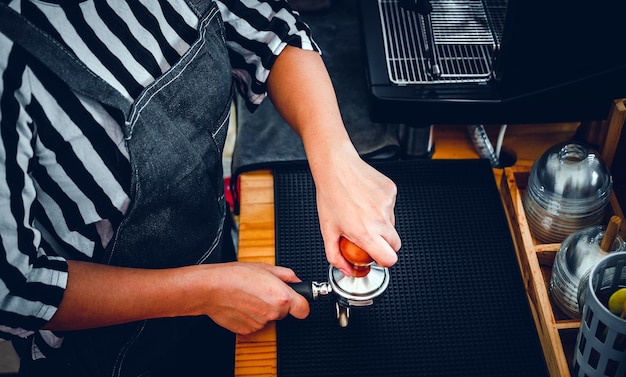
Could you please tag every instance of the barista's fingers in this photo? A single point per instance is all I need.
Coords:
(393, 240)
(299, 306)
(283, 273)
(295, 304)
(383, 249)
(335, 258)
(391, 213)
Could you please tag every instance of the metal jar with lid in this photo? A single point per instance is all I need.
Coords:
(569, 188)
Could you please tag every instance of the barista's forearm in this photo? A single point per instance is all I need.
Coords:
(354, 200)
(301, 90)
(99, 295)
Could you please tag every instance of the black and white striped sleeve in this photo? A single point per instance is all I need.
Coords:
(256, 32)
(31, 283)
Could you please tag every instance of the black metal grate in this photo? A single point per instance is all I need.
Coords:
(463, 39)
(455, 305)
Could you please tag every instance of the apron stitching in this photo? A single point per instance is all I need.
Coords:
(197, 46)
(193, 8)
(220, 199)
(199, 7)
(117, 370)
(213, 245)
(224, 122)
(137, 193)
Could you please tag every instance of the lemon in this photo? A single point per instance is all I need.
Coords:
(617, 301)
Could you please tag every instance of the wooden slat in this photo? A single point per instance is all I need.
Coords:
(256, 353)
(532, 275)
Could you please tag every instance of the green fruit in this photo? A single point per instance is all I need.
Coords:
(617, 301)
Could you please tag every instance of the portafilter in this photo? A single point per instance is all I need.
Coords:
(367, 283)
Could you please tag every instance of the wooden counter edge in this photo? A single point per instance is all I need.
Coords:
(255, 354)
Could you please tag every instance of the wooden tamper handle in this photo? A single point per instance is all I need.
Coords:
(358, 258)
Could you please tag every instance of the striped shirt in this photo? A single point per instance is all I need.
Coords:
(64, 171)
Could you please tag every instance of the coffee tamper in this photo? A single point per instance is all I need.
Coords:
(368, 281)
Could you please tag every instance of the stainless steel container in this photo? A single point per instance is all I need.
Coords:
(569, 188)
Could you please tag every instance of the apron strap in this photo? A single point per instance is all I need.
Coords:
(200, 7)
(59, 60)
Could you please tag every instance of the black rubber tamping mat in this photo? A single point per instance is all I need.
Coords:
(455, 305)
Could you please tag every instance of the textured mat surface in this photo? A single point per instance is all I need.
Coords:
(455, 305)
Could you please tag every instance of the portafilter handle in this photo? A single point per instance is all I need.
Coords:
(311, 290)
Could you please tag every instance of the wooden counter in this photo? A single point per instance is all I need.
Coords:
(256, 354)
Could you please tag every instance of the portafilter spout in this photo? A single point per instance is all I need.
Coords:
(367, 282)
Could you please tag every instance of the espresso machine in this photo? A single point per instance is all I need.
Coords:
(368, 282)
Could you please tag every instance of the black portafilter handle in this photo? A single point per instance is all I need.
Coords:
(311, 290)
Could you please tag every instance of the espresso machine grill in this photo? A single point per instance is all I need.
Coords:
(464, 41)
(498, 61)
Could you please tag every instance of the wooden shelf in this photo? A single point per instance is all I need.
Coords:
(536, 262)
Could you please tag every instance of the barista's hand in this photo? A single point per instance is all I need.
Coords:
(241, 297)
(357, 202)
(244, 297)
(354, 200)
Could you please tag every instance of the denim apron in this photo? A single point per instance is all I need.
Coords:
(175, 132)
